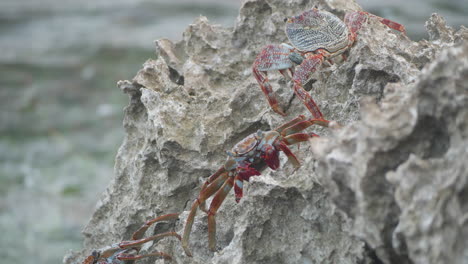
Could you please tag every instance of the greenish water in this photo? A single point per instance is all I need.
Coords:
(61, 127)
(61, 113)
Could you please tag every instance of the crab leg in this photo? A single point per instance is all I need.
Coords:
(354, 20)
(141, 231)
(212, 178)
(125, 256)
(262, 79)
(135, 243)
(389, 23)
(291, 157)
(301, 76)
(303, 125)
(207, 193)
(290, 123)
(238, 187)
(272, 57)
(215, 204)
(243, 173)
(298, 137)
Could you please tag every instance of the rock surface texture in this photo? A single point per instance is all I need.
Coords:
(390, 186)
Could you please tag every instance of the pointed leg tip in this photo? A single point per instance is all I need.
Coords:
(334, 125)
(187, 252)
(279, 111)
(213, 249)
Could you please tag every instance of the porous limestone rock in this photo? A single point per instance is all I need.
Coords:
(390, 186)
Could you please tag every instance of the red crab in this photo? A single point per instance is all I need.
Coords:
(246, 159)
(315, 36)
(129, 250)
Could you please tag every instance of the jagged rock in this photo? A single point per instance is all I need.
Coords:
(390, 186)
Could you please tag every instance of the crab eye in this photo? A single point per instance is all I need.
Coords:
(285, 19)
(259, 133)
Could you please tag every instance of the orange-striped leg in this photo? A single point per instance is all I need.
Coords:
(141, 231)
(203, 196)
(215, 204)
(238, 187)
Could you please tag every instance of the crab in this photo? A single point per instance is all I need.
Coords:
(316, 36)
(118, 253)
(246, 159)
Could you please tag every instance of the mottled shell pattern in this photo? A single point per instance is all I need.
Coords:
(316, 29)
(250, 148)
(244, 146)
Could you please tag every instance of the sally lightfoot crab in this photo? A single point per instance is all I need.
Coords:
(315, 36)
(129, 250)
(246, 159)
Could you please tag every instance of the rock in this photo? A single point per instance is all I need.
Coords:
(390, 186)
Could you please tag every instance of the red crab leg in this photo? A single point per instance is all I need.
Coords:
(285, 73)
(124, 256)
(91, 258)
(389, 23)
(354, 20)
(207, 193)
(262, 80)
(140, 232)
(272, 57)
(298, 137)
(215, 204)
(135, 243)
(302, 75)
(303, 125)
(238, 187)
(393, 25)
(212, 178)
(290, 123)
(244, 173)
(291, 157)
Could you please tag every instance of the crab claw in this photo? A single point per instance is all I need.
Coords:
(243, 174)
(246, 172)
(238, 187)
(271, 157)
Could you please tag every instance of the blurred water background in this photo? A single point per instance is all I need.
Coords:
(61, 113)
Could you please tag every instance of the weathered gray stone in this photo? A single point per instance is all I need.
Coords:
(390, 186)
